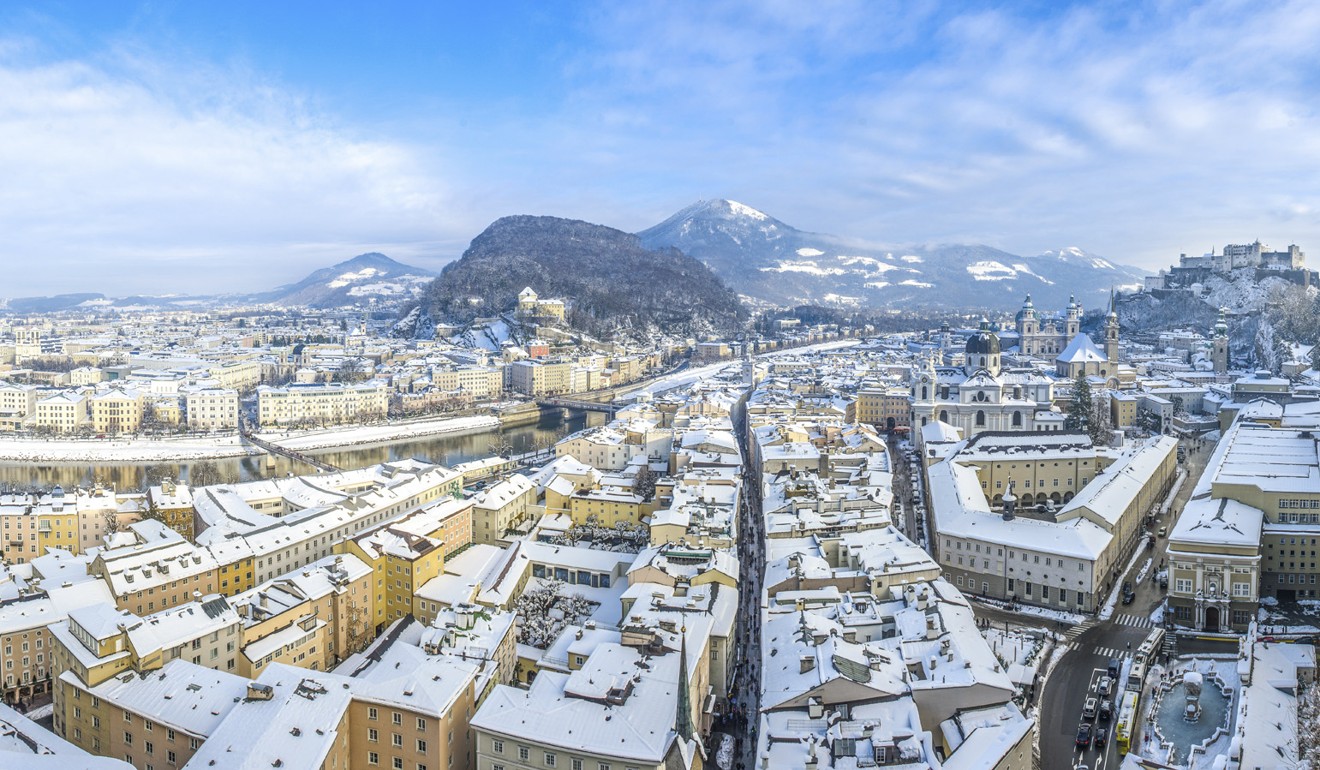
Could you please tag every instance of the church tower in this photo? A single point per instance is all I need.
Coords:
(1073, 323)
(923, 392)
(1111, 331)
(1028, 326)
(1219, 352)
(982, 351)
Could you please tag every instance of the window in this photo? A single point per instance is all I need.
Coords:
(398, 763)
(373, 758)
(523, 753)
(128, 739)
(170, 756)
(398, 718)
(397, 740)
(371, 713)
(373, 735)
(150, 749)
(421, 723)
(421, 746)
(549, 759)
(497, 746)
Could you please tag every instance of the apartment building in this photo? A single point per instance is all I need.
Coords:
(63, 412)
(503, 506)
(116, 411)
(311, 618)
(211, 408)
(541, 378)
(150, 567)
(310, 404)
(406, 552)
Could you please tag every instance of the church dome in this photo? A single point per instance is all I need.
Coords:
(984, 342)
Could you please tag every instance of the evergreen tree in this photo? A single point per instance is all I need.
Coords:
(1079, 412)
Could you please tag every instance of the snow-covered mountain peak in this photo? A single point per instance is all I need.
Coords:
(743, 210)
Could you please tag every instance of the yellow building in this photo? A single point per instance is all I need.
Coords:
(116, 411)
(405, 552)
(310, 618)
(608, 507)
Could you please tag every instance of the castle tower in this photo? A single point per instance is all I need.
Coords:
(1111, 331)
(1219, 352)
(1073, 324)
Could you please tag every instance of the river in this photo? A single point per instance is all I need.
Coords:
(443, 449)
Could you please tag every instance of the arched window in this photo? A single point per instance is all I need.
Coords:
(980, 418)
(1017, 419)
(923, 392)
(944, 415)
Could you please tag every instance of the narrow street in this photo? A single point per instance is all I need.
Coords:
(751, 555)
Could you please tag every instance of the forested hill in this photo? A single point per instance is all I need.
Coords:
(612, 284)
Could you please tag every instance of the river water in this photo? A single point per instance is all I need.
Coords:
(445, 449)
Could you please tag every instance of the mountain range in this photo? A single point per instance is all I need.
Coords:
(762, 257)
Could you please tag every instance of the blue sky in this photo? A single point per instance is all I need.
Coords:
(200, 147)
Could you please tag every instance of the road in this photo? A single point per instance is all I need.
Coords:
(751, 555)
(1091, 644)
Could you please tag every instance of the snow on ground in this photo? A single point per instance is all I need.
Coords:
(806, 266)
(1108, 611)
(144, 449)
(990, 270)
(918, 284)
(121, 450)
(372, 434)
(911, 258)
(1145, 570)
(808, 252)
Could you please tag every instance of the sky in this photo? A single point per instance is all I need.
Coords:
(181, 147)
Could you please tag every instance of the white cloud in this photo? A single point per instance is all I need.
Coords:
(136, 176)
(1137, 132)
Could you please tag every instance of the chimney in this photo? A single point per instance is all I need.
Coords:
(806, 663)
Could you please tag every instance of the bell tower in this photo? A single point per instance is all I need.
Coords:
(1219, 343)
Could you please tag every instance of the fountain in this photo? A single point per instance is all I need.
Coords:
(1192, 687)
(1189, 709)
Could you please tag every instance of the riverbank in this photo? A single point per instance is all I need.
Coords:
(136, 450)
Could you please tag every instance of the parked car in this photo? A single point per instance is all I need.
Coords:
(1089, 708)
(1101, 738)
(1128, 598)
(1104, 686)
(1106, 710)
(1084, 735)
(1164, 531)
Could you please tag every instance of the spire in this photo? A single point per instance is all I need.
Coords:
(1113, 308)
(683, 719)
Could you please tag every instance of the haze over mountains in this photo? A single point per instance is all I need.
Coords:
(756, 255)
(761, 257)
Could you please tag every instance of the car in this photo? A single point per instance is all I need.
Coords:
(1115, 665)
(1164, 531)
(1104, 686)
(1089, 708)
(1128, 598)
(1101, 737)
(1106, 710)
(1164, 584)
(1127, 586)
(1084, 735)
